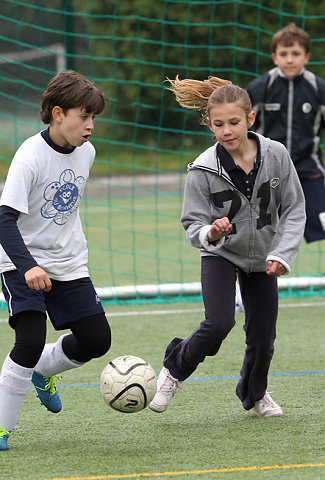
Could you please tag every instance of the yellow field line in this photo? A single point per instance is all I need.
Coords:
(192, 472)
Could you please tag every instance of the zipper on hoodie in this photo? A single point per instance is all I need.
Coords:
(289, 114)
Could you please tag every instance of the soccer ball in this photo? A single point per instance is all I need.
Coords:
(128, 384)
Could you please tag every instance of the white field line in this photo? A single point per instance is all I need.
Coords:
(187, 310)
(197, 310)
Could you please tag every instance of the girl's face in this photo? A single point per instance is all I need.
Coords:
(71, 129)
(229, 123)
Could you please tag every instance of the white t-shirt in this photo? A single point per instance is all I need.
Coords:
(46, 187)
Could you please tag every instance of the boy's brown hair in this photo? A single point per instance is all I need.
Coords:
(290, 34)
(69, 89)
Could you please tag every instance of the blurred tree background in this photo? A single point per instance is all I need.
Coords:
(129, 48)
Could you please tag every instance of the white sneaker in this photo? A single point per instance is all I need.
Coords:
(166, 389)
(266, 407)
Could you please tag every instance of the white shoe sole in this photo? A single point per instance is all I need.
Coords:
(269, 414)
(157, 408)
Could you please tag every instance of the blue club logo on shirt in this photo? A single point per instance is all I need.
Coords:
(62, 197)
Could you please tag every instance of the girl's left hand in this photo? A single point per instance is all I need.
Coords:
(275, 268)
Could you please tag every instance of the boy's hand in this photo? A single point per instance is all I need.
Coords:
(220, 228)
(275, 268)
(37, 279)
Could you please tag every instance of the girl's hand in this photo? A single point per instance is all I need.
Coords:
(37, 279)
(275, 268)
(220, 228)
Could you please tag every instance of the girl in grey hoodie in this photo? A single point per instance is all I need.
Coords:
(233, 194)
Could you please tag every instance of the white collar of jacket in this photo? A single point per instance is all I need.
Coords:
(210, 162)
(281, 74)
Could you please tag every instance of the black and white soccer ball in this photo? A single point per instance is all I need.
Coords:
(128, 384)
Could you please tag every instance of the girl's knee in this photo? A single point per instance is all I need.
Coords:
(218, 330)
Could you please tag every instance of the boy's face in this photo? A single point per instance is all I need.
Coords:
(71, 129)
(290, 60)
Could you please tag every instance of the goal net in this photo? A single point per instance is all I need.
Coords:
(133, 202)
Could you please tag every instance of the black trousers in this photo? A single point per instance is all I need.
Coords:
(260, 299)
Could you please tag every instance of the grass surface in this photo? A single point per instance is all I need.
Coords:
(205, 433)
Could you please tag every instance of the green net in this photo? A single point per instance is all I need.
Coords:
(143, 140)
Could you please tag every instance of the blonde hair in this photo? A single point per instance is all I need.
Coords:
(205, 94)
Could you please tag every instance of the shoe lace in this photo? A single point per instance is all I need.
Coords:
(3, 432)
(268, 401)
(170, 384)
(50, 385)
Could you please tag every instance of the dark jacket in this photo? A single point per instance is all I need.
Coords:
(292, 111)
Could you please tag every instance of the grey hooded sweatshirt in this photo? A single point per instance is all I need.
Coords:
(258, 234)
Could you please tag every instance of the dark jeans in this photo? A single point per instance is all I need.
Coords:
(260, 298)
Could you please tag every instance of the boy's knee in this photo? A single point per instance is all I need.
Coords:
(98, 345)
(27, 353)
(90, 339)
(102, 346)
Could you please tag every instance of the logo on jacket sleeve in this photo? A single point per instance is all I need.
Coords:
(62, 197)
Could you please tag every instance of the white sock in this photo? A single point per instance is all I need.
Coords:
(14, 385)
(54, 361)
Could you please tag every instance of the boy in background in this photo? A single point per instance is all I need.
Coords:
(289, 103)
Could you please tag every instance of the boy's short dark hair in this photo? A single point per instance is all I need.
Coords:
(290, 34)
(69, 89)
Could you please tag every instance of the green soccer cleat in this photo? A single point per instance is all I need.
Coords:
(46, 392)
(4, 435)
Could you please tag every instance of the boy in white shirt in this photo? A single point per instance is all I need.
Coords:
(43, 253)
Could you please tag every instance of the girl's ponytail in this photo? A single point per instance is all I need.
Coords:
(194, 94)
